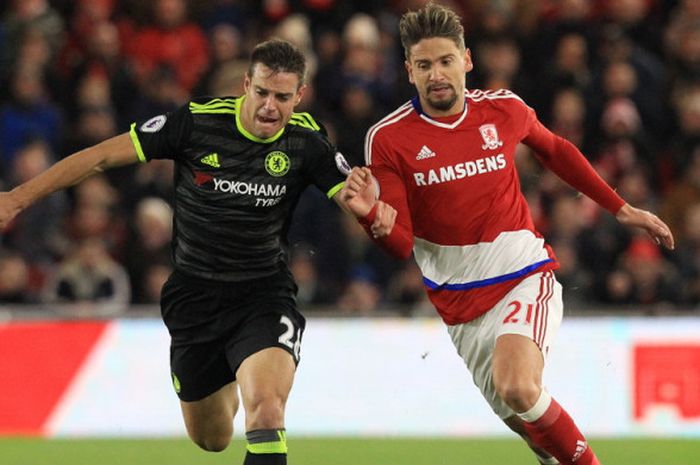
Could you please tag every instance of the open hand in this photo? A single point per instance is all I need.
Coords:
(655, 228)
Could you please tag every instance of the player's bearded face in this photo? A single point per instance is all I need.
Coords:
(437, 67)
(270, 99)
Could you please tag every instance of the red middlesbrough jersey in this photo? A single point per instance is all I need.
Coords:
(457, 192)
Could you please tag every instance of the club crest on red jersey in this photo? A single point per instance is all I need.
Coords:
(490, 136)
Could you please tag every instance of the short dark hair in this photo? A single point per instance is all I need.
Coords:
(280, 56)
(430, 21)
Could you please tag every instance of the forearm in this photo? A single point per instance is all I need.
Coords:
(398, 243)
(74, 168)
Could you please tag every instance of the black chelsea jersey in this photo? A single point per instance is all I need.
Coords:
(235, 193)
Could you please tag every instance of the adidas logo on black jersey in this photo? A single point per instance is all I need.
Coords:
(212, 160)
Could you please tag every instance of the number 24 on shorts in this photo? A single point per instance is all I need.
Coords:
(513, 317)
(288, 335)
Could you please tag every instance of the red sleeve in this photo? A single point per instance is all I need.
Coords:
(566, 161)
(393, 192)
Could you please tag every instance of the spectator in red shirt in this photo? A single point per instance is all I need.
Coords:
(172, 41)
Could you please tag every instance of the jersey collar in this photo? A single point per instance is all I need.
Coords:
(244, 131)
(415, 101)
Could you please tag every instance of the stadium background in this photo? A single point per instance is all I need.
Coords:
(82, 353)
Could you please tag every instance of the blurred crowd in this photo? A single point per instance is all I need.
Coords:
(618, 78)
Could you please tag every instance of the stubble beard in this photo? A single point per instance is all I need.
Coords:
(443, 105)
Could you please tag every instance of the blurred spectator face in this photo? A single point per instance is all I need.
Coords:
(156, 276)
(692, 224)
(92, 252)
(566, 221)
(621, 119)
(634, 187)
(568, 108)
(95, 124)
(28, 9)
(96, 190)
(105, 41)
(170, 13)
(14, 275)
(619, 79)
(357, 103)
(627, 11)
(154, 219)
(572, 53)
(501, 59)
(328, 46)
(30, 161)
(576, 10)
(689, 112)
(643, 262)
(225, 43)
(689, 44)
(91, 220)
(34, 49)
(94, 91)
(27, 85)
(361, 39)
(95, 10)
(297, 30)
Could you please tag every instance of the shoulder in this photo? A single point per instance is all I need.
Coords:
(312, 131)
(496, 98)
(213, 105)
(501, 100)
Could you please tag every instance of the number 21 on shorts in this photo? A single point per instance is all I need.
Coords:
(289, 334)
(516, 314)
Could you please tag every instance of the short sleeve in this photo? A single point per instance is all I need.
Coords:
(328, 167)
(162, 136)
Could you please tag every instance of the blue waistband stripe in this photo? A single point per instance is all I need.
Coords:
(485, 282)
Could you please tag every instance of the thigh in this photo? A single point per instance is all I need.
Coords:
(265, 379)
(211, 418)
(532, 309)
(198, 362)
(270, 320)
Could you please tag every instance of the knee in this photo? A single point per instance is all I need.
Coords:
(266, 412)
(211, 442)
(519, 394)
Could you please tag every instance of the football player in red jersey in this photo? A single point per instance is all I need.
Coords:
(445, 173)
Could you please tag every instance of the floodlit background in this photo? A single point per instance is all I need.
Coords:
(82, 351)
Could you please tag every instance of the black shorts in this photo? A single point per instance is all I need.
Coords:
(214, 326)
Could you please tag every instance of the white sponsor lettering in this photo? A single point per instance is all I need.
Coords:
(245, 188)
(461, 170)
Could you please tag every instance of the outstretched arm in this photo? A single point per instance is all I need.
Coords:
(567, 162)
(116, 151)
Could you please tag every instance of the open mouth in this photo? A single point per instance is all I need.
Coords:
(267, 119)
(440, 89)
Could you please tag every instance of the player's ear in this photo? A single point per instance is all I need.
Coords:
(468, 63)
(300, 94)
(246, 83)
(409, 70)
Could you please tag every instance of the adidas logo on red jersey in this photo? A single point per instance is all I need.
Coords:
(424, 153)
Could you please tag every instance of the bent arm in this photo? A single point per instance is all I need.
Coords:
(113, 152)
(399, 241)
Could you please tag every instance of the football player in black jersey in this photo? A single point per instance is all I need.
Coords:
(241, 164)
